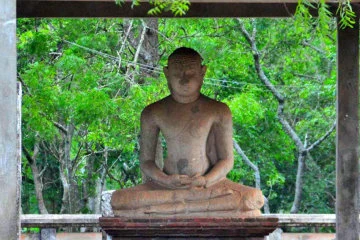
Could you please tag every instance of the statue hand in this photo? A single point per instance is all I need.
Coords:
(177, 181)
(198, 181)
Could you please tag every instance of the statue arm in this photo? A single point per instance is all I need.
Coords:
(148, 140)
(224, 147)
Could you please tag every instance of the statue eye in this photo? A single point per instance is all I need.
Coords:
(177, 75)
(190, 73)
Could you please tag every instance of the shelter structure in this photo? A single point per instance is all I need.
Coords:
(347, 137)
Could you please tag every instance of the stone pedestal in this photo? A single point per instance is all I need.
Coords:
(189, 228)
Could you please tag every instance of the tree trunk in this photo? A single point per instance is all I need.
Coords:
(66, 190)
(38, 189)
(97, 182)
(36, 176)
(102, 182)
(66, 173)
(149, 56)
(299, 183)
(148, 45)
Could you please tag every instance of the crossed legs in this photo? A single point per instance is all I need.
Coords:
(150, 198)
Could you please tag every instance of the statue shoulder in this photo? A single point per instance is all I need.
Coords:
(224, 108)
(224, 114)
(154, 109)
(219, 108)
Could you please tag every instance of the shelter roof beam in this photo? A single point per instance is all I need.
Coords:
(199, 8)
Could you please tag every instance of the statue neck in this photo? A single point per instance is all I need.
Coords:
(185, 99)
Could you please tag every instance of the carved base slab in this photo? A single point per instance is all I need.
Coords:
(215, 214)
(189, 228)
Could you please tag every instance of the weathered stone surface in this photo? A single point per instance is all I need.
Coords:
(106, 209)
(275, 235)
(347, 134)
(48, 233)
(198, 134)
(10, 174)
(195, 228)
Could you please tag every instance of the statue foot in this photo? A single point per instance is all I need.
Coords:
(222, 192)
(252, 200)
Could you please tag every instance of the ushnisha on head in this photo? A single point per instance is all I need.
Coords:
(185, 74)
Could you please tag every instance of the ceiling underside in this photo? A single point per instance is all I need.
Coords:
(198, 8)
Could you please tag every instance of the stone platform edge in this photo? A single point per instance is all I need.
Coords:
(188, 227)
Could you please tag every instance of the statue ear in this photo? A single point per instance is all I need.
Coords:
(166, 71)
(203, 70)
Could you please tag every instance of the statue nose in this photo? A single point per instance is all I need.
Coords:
(184, 79)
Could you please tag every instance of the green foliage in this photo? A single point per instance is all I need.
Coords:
(347, 16)
(30, 230)
(177, 7)
(134, 2)
(72, 76)
(246, 107)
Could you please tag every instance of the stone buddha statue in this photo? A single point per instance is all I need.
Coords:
(198, 134)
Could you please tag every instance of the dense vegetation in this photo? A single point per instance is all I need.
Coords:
(85, 83)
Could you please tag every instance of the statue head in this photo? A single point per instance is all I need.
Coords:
(185, 74)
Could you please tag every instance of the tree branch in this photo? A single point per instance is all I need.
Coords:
(60, 127)
(301, 147)
(136, 56)
(288, 129)
(88, 153)
(256, 172)
(307, 44)
(27, 154)
(259, 70)
(23, 84)
(320, 140)
(31, 159)
(113, 178)
(124, 42)
(76, 161)
(247, 161)
(43, 170)
(270, 86)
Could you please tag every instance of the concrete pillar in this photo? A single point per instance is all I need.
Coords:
(48, 234)
(9, 127)
(347, 138)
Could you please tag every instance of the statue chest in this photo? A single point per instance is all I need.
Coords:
(186, 125)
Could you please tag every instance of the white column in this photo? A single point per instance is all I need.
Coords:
(9, 132)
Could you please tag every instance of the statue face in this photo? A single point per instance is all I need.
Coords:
(185, 75)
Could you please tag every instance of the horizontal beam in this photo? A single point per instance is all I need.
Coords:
(60, 220)
(92, 220)
(193, 1)
(101, 8)
(98, 235)
(301, 220)
(198, 8)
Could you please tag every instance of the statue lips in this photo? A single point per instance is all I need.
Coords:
(185, 88)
